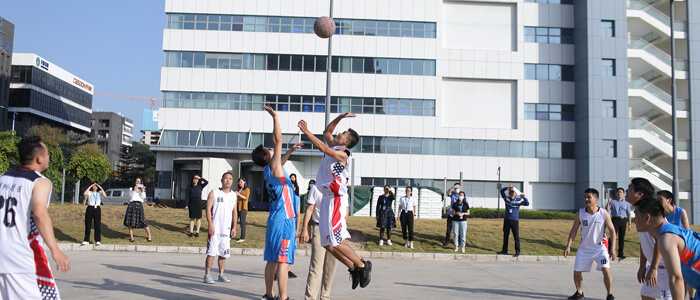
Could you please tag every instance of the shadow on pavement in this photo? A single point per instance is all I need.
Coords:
(64, 237)
(500, 292)
(229, 270)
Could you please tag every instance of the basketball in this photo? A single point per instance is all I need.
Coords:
(324, 27)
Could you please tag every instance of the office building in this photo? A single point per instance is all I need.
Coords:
(110, 131)
(7, 35)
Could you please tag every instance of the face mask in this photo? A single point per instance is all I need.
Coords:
(311, 185)
(457, 191)
(461, 197)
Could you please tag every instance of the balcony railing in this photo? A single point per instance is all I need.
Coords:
(639, 83)
(642, 164)
(650, 10)
(640, 44)
(647, 126)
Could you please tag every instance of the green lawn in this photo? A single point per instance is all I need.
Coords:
(169, 227)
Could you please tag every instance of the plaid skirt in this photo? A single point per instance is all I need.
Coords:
(135, 216)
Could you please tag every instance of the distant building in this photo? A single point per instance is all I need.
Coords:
(7, 33)
(150, 137)
(110, 131)
(151, 134)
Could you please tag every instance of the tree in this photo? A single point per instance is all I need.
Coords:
(89, 164)
(8, 151)
(48, 134)
(136, 161)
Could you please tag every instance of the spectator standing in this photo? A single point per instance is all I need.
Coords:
(409, 208)
(621, 218)
(514, 200)
(453, 193)
(93, 212)
(243, 195)
(385, 215)
(193, 201)
(135, 216)
(460, 211)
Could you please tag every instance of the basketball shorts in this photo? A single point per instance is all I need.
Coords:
(280, 241)
(219, 244)
(586, 257)
(19, 286)
(331, 222)
(661, 290)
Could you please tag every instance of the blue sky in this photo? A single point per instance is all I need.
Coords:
(115, 45)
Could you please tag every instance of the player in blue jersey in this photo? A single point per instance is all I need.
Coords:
(280, 236)
(675, 215)
(679, 247)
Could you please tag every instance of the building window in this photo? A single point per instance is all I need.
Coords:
(103, 134)
(104, 123)
(553, 112)
(610, 148)
(549, 72)
(549, 35)
(609, 109)
(607, 28)
(551, 1)
(608, 67)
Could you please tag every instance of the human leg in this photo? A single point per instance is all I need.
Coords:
(381, 234)
(199, 224)
(270, 269)
(404, 227)
(462, 233)
(242, 217)
(345, 255)
(388, 234)
(222, 265)
(208, 262)
(329, 266)
(409, 222)
(516, 236)
(191, 227)
(98, 224)
(148, 231)
(19, 286)
(578, 281)
(622, 230)
(282, 279)
(448, 231)
(316, 264)
(88, 223)
(131, 233)
(608, 280)
(455, 228)
(506, 235)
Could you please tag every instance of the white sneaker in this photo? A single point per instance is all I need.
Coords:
(388, 242)
(462, 249)
(456, 248)
(411, 245)
(85, 243)
(381, 242)
(405, 244)
(98, 243)
(240, 241)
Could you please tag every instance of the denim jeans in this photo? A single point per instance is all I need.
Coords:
(460, 232)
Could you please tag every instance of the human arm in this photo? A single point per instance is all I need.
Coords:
(642, 266)
(304, 237)
(243, 194)
(629, 216)
(650, 277)
(39, 201)
(684, 220)
(339, 155)
(187, 197)
(203, 182)
(328, 132)
(505, 197)
(289, 152)
(613, 236)
(102, 191)
(276, 161)
(572, 235)
(87, 191)
(607, 205)
(415, 208)
(234, 221)
(210, 203)
(668, 247)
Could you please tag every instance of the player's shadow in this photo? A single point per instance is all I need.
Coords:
(146, 290)
(61, 236)
(551, 244)
(214, 267)
(500, 292)
(166, 227)
(113, 234)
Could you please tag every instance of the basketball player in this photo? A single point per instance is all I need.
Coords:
(222, 216)
(24, 199)
(332, 181)
(594, 244)
(679, 247)
(280, 236)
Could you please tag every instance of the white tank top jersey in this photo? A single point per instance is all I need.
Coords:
(222, 211)
(647, 242)
(17, 221)
(332, 170)
(592, 228)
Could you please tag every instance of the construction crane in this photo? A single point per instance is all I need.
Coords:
(152, 99)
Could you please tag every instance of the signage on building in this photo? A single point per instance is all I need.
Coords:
(156, 115)
(40, 63)
(82, 84)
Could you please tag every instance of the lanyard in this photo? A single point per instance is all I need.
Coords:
(384, 203)
(96, 199)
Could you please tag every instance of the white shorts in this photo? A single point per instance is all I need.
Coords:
(219, 244)
(586, 257)
(19, 286)
(661, 290)
(331, 222)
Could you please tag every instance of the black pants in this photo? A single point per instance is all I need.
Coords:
(241, 216)
(93, 214)
(620, 225)
(449, 230)
(407, 224)
(388, 233)
(508, 226)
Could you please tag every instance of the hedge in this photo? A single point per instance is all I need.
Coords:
(489, 213)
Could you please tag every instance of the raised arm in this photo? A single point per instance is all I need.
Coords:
(328, 133)
(87, 191)
(286, 156)
(102, 191)
(607, 205)
(572, 235)
(40, 197)
(339, 155)
(203, 182)
(276, 162)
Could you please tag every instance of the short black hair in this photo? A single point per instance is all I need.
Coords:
(643, 185)
(410, 188)
(668, 195)
(650, 206)
(229, 173)
(258, 155)
(620, 189)
(456, 184)
(353, 138)
(28, 148)
(591, 191)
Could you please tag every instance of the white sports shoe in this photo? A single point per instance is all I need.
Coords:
(388, 242)
(85, 243)
(462, 249)
(381, 242)
(456, 248)
(98, 243)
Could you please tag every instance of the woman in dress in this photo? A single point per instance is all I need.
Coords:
(385, 215)
(243, 194)
(409, 208)
(460, 211)
(135, 216)
(194, 203)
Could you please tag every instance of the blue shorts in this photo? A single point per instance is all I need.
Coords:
(280, 241)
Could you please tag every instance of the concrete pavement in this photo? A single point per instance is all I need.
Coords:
(148, 275)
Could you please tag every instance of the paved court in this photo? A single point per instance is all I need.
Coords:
(139, 275)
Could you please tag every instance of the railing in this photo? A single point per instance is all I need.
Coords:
(652, 154)
(647, 126)
(639, 83)
(650, 37)
(642, 164)
(651, 75)
(650, 10)
(651, 114)
(640, 44)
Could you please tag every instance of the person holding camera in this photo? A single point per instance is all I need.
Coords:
(453, 192)
(93, 212)
(135, 216)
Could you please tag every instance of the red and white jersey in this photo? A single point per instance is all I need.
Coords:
(592, 229)
(333, 176)
(17, 226)
(222, 211)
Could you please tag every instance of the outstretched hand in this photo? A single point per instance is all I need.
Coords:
(303, 126)
(298, 146)
(347, 115)
(269, 110)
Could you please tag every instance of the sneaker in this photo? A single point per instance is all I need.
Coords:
(365, 274)
(240, 241)
(388, 242)
(196, 234)
(405, 244)
(516, 254)
(462, 249)
(456, 248)
(266, 297)
(411, 246)
(190, 234)
(291, 274)
(621, 256)
(208, 279)
(502, 252)
(444, 244)
(98, 243)
(381, 242)
(610, 297)
(223, 278)
(355, 277)
(577, 296)
(85, 243)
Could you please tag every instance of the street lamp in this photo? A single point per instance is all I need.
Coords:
(14, 115)
(328, 72)
(674, 118)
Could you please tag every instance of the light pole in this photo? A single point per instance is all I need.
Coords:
(674, 118)
(328, 71)
(14, 115)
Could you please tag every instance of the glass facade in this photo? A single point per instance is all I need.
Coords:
(46, 81)
(552, 112)
(547, 35)
(49, 105)
(549, 72)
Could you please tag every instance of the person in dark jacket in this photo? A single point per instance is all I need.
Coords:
(193, 202)
(385, 215)
(514, 200)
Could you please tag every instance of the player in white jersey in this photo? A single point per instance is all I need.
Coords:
(332, 180)
(24, 199)
(221, 215)
(593, 221)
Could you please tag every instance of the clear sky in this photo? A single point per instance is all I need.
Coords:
(115, 45)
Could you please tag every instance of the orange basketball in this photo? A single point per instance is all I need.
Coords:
(324, 27)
